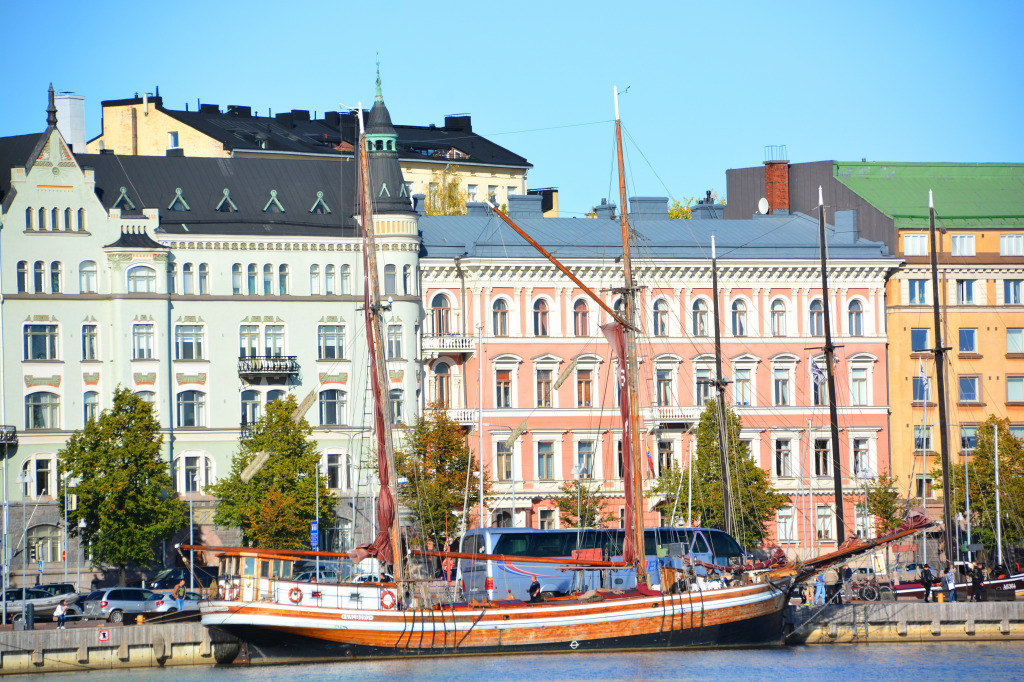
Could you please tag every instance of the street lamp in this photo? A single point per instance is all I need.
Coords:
(64, 556)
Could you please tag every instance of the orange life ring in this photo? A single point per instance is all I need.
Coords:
(387, 599)
(295, 595)
(234, 592)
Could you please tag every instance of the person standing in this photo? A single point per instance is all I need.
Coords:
(847, 582)
(179, 595)
(926, 582)
(62, 613)
(976, 578)
(534, 590)
(819, 589)
(833, 592)
(950, 579)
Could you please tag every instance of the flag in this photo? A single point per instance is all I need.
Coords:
(650, 460)
(817, 373)
(921, 374)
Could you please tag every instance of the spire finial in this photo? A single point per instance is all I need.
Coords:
(51, 109)
(380, 97)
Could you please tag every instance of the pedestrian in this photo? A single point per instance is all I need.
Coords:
(847, 581)
(926, 582)
(61, 612)
(819, 589)
(976, 577)
(833, 592)
(951, 583)
(534, 590)
(179, 594)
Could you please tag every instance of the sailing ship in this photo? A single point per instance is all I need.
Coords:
(283, 620)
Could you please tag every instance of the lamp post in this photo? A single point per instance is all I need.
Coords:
(23, 479)
(192, 478)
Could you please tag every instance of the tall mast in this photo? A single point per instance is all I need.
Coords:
(830, 352)
(940, 386)
(629, 297)
(999, 519)
(723, 430)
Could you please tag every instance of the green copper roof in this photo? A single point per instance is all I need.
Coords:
(966, 194)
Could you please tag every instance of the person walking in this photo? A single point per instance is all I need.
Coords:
(61, 612)
(819, 589)
(976, 578)
(926, 582)
(950, 580)
(179, 595)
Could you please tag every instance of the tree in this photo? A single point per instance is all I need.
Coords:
(275, 507)
(124, 489)
(582, 502)
(885, 503)
(754, 499)
(981, 479)
(434, 460)
(678, 210)
(445, 195)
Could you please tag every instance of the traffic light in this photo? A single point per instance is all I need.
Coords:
(32, 553)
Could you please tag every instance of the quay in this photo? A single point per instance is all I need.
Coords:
(909, 621)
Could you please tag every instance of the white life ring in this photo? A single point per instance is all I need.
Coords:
(387, 599)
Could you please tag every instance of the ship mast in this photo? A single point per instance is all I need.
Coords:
(723, 429)
(635, 494)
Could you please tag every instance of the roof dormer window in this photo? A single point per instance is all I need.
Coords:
(226, 205)
(178, 203)
(320, 207)
(273, 205)
(122, 198)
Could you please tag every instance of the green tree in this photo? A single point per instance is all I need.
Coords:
(754, 499)
(434, 459)
(981, 479)
(124, 489)
(274, 508)
(677, 210)
(582, 501)
(885, 503)
(445, 195)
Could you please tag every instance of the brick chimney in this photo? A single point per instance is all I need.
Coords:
(776, 185)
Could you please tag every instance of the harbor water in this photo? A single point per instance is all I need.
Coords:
(905, 662)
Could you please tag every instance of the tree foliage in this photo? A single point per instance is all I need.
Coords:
(885, 503)
(445, 194)
(678, 210)
(124, 488)
(275, 507)
(434, 459)
(981, 479)
(582, 502)
(754, 499)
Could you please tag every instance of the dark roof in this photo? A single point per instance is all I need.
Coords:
(14, 151)
(252, 184)
(135, 239)
(335, 133)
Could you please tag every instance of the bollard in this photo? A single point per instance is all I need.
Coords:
(30, 616)
(140, 619)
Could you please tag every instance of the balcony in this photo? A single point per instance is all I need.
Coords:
(8, 435)
(276, 368)
(667, 416)
(448, 344)
(246, 431)
(463, 416)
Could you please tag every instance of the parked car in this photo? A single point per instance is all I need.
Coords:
(112, 604)
(168, 578)
(166, 603)
(43, 601)
(314, 577)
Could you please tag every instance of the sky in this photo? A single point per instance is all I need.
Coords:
(707, 85)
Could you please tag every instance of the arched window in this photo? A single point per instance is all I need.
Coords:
(856, 318)
(193, 471)
(390, 279)
(346, 280)
(817, 318)
(81, 220)
(314, 280)
(204, 279)
(442, 385)
(739, 318)
(440, 315)
(407, 280)
(329, 280)
(42, 218)
(55, 277)
(282, 279)
(147, 397)
(540, 318)
(252, 279)
(141, 280)
(236, 279)
(29, 218)
(276, 394)
(54, 219)
(42, 410)
(67, 219)
(580, 321)
(22, 276)
(700, 317)
(90, 405)
(499, 318)
(187, 279)
(39, 275)
(46, 540)
(87, 277)
(396, 398)
(778, 317)
(250, 407)
(332, 407)
(172, 277)
(268, 279)
(661, 317)
(191, 408)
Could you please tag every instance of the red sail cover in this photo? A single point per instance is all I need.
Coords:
(614, 333)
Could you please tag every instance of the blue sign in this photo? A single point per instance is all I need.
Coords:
(40, 565)
(314, 536)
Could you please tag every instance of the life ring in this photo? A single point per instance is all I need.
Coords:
(234, 592)
(295, 595)
(387, 599)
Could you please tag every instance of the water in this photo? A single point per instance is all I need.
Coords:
(905, 662)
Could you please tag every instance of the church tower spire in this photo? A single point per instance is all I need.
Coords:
(389, 191)
(51, 110)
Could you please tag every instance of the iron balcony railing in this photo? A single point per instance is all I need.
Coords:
(268, 365)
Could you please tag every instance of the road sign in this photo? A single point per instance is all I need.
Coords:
(104, 635)
(40, 565)
(314, 535)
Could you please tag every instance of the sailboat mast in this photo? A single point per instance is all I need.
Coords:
(629, 297)
(940, 386)
(830, 352)
(723, 446)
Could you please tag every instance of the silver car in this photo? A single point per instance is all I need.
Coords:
(114, 603)
(166, 603)
(42, 601)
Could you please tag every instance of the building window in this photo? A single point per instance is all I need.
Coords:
(39, 277)
(540, 318)
(407, 280)
(585, 458)
(619, 469)
(236, 279)
(923, 438)
(580, 314)
(965, 291)
(346, 280)
(819, 392)
(440, 315)
(968, 437)
(397, 399)
(56, 277)
(394, 341)
(250, 407)
(700, 318)
(786, 525)
(546, 460)
(742, 390)
(547, 519)
(248, 341)
(781, 386)
(1015, 340)
(660, 318)
(1011, 245)
(584, 387)
(268, 279)
(282, 280)
(192, 473)
(332, 407)
(187, 279)
(23, 277)
(860, 457)
(918, 289)
(273, 337)
(817, 318)
(172, 278)
(499, 318)
(188, 342)
(143, 341)
(314, 280)
(922, 389)
(543, 388)
(339, 471)
(859, 386)
(663, 378)
(702, 378)
(778, 318)
(1014, 389)
(191, 408)
(251, 280)
(739, 318)
(390, 279)
(915, 245)
(919, 342)
(503, 392)
(963, 244)
(968, 389)
(331, 341)
(81, 220)
(442, 384)
(1011, 291)
(147, 397)
(44, 471)
(924, 486)
(42, 411)
(141, 280)
(172, 139)
(822, 457)
(783, 458)
(856, 318)
(41, 342)
(504, 464)
(90, 342)
(968, 340)
(824, 524)
(665, 456)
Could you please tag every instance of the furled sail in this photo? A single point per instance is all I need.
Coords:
(617, 339)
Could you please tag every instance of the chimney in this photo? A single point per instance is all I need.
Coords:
(240, 111)
(459, 122)
(525, 206)
(776, 185)
(605, 211)
(71, 119)
(417, 203)
(654, 208)
(209, 108)
(300, 115)
(476, 208)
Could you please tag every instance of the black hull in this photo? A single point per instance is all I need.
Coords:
(267, 646)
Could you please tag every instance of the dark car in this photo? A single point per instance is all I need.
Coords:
(168, 578)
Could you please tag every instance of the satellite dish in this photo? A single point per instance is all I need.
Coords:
(762, 206)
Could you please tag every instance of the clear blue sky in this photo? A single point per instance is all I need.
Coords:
(709, 84)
